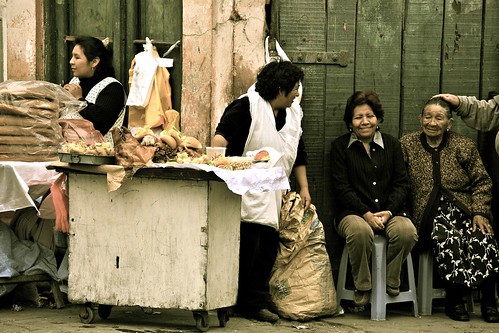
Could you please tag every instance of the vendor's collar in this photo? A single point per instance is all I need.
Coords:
(378, 139)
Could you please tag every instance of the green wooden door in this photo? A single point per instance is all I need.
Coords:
(127, 23)
(406, 51)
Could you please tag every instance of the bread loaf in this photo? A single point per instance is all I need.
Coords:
(29, 111)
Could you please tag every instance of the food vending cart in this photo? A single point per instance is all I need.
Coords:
(167, 238)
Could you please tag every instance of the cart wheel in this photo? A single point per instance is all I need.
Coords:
(104, 311)
(223, 316)
(87, 314)
(202, 322)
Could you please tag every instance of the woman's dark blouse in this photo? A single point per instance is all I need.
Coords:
(107, 107)
(235, 124)
(361, 184)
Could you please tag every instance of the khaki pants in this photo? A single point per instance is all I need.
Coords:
(359, 236)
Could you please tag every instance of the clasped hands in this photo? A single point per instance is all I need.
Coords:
(377, 220)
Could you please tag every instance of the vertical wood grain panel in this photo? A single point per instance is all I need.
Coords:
(100, 19)
(302, 27)
(378, 55)
(341, 27)
(421, 59)
(490, 60)
(461, 52)
(162, 21)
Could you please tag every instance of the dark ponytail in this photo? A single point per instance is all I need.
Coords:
(92, 48)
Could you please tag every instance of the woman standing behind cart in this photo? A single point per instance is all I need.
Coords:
(451, 194)
(94, 82)
(268, 115)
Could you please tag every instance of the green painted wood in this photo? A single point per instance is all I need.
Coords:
(100, 19)
(421, 60)
(302, 28)
(461, 52)
(490, 60)
(341, 29)
(378, 55)
(56, 55)
(399, 49)
(162, 21)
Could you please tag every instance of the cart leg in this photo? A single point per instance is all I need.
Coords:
(202, 320)
(87, 313)
(223, 316)
(104, 311)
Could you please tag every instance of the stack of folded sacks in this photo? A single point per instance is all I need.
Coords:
(29, 111)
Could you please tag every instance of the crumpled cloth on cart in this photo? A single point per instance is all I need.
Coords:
(238, 181)
(22, 182)
(242, 181)
(23, 257)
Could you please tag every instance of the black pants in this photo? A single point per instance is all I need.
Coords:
(454, 292)
(258, 250)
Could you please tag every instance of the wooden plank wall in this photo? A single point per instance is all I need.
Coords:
(406, 51)
(421, 66)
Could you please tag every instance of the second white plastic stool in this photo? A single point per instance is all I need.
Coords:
(379, 297)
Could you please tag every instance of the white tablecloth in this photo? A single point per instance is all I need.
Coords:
(22, 182)
(241, 181)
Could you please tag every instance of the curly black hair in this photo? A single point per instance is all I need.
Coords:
(360, 98)
(276, 76)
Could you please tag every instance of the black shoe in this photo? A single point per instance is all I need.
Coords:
(457, 312)
(490, 314)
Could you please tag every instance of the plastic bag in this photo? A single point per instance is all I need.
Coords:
(76, 130)
(141, 78)
(148, 111)
(61, 204)
(29, 111)
(301, 283)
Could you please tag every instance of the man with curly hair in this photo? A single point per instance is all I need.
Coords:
(268, 115)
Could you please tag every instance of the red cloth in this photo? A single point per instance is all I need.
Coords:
(61, 204)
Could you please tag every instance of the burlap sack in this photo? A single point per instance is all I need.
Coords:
(301, 283)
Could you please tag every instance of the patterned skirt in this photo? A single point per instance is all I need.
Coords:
(463, 256)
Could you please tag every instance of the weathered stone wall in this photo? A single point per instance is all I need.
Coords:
(221, 55)
(22, 48)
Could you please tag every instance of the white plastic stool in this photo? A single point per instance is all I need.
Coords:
(426, 292)
(379, 298)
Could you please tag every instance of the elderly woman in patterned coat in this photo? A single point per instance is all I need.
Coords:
(451, 194)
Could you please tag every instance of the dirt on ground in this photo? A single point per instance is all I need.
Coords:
(139, 320)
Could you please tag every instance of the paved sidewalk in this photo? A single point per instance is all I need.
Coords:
(135, 320)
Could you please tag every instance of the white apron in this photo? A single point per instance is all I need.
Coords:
(92, 97)
(264, 208)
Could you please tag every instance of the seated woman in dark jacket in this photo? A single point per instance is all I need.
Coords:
(370, 187)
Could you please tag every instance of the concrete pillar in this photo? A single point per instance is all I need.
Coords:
(21, 18)
(222, 46)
